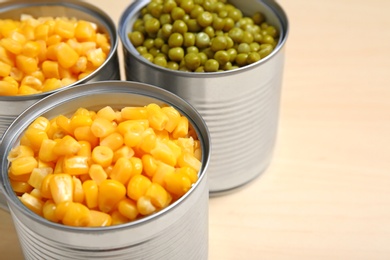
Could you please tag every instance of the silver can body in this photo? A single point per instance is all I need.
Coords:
(12, 106)
(179, 231)
(240, 107)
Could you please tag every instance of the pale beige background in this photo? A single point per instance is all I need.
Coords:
(326, 194)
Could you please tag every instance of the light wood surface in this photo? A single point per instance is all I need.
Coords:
(326, 194)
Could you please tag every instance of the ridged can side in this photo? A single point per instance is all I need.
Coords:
(12, 106)
(179, 231)
(240, 107)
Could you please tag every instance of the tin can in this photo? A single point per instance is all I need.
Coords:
(179, 231)
(240, 107)
(12, 106)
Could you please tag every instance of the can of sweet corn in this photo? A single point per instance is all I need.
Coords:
(179, 231)
(240, 106)
(11, 105)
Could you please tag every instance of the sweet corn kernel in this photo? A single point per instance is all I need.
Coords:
(157, 119)
(84, 133)
(102, 127)
(122, 170)
(65, 29)
(137, 165)
(102, 155)
(32, 82)
(36, 193)
(61, 187)
(31, 49)
(118, 218)
(128, 208)
(20, 151)
(78, 191)
(162, 170)
(110, 193)
(174, 118)
(91, 191)
(137, 186)
(159, 197)
(96, 57)
(48, 211)
(35, 137)
(85, 150)
(67, 146)
(21, 187)
(67, 57)
(77, 215)
(76, 165)
(26, 64)
(31, 202)
(97, 173)
(150, 164)
(5, 69)
(8, 89)
(177, 183)
(46, 153)
(20, 178)
(51, 84)
(45, 187)
(123, 152)
(181, 129)
(145, 206)
(114, 141)
(84, 31)
(187, 159)
(148, 141)
(37, 176)
(99, 219)
(164, 153)
(23, 165)
(50, 69)
(64, 123)
(134, 113)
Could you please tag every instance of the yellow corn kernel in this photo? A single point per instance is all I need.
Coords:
(187, 145)
(51, 52)
(65, 29)
(102, 155)
(181, 129)
(21, 187)
(91, 191)
(51, 84)
(114, 141)
(59, 165)
(162, 135)
(122, 170)
(137, 165)
(123, 152)
(42, 55)
(84, 133)
(11, 45)
(85, 149)
(97, 173)
(134, 113)
(36, 193)
(45, 187)
(40, 123)
(103, 42)
(50, 69)
(80, 66)
(132, 133)
(76, 165)
(107, 113)
(21, 178)
(80, 120)
(76, 215)
(31, 49)
(8, 89)
(26, 64)
(32, 82)
(137, 186)
(16, 74)
(64, 123)
(66, 56)
(35, 137)
(110, 193)
(37, 176)
(159, 197)
(162, 170)
(157, 119)
(68, 81)
(41, 32)
(177, 183)
(48, 211)
(27, 90)
(85, 47)
(99, 219)
(23, 165)
(128, 208)
(61, 209)
(118, 218)
(145, 206)
(96, 57)
(174, 118)
(61, 187)
(189, 172)
(102, 127)
(150, 164)
(187, 159)
(67, 146)
(164, 153)
(32, 203)
(148, 141)
(84, 31)
(19, 151)
(78, 191)
(5, 69)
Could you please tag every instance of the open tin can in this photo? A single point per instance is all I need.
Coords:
(179, 231)
(12, 106)
(240, 106)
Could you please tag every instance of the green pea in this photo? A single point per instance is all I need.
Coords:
(271, 31)
(222, 57)
(202, 40)
(254, 46)
(209, 53)
(138, 22)
(136, 38)
(154, 51)
(265, 50)
(229, 24)
(155, 9)
(142, 49)
(268, 39)
(219, 6)
(149, 43)
(200, 69)
(179, 26)
(165, 48)
(193, 26)
(236, 34)
(160, 61)
(177, 13)
(209, 5)
(169, 5)
(211, 65)
(235, 14)
(205, 19)
(165, 19)
(189, 39)
(218, 43)
(253, 57)
(148, 56)
(241, 59)
(197, 10)
(243, 48)
(172, 65)
(258, 37)
(218, 23)
(175, 40)
(187, 5)
(203, 57)
(192, 49)
(258, 18)
(158, 43)
(227, 66)
(210, 31)
(232, 54)
(166, 30)
(247, 37)
(223, 14)
(192, 61)
(176, 54)
(230, 42)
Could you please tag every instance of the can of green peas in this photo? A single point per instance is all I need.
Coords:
(178, 231)
(31, 15)
(238, 97)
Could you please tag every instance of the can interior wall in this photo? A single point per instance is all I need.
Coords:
(240, 107)
(179, 231)
(12, 106)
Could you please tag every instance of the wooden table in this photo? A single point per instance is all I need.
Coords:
(326, 194)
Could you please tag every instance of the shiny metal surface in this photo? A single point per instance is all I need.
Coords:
(179, 231)
(240, 107)
(12, 106)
